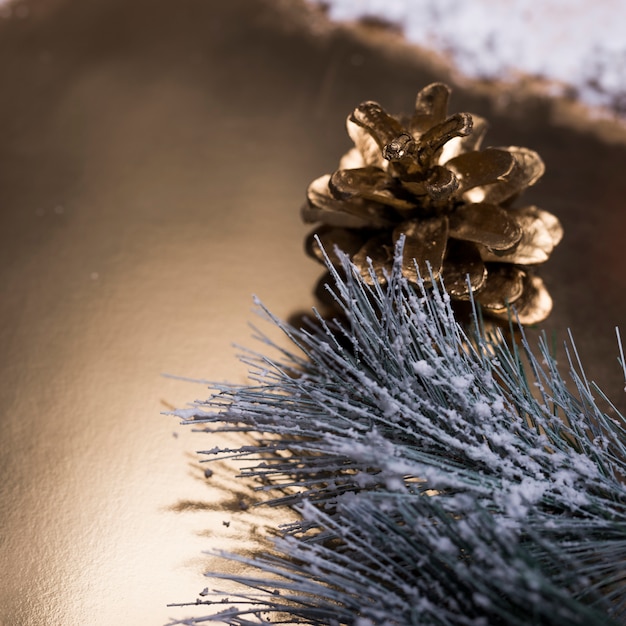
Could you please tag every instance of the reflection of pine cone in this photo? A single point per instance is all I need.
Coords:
(425, 178)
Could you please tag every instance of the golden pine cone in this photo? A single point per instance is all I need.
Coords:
(428, 180)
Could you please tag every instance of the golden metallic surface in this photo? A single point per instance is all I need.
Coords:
(153, 160)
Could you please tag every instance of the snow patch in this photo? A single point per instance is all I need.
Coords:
(423, 368)
(568, 43)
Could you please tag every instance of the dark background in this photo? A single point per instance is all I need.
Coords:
(153, 158)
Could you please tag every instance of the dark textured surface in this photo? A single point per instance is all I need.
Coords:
(153, 157)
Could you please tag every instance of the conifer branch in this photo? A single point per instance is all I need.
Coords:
(443, 475)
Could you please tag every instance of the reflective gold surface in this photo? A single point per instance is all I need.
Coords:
(153, 160)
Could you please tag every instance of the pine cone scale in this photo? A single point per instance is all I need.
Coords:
(463, 269)
(425, 246)
(379, 253)
(383, 127)
(485, 224)
(504, 286)
(352, 213)
(527, 170)
(457, 125)
(369, 183)
(431, 107)
(475, 169)
(541, 232)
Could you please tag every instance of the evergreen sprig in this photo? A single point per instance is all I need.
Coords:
(443, 475)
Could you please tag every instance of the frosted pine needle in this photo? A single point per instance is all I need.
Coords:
(442, 476)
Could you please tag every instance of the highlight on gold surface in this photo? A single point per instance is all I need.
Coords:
(426, 179)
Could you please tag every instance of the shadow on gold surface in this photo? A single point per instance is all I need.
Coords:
(153, 160)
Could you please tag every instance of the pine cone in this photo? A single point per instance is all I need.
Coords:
(426, 179)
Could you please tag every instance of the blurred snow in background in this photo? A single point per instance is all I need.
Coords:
(577, 47)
